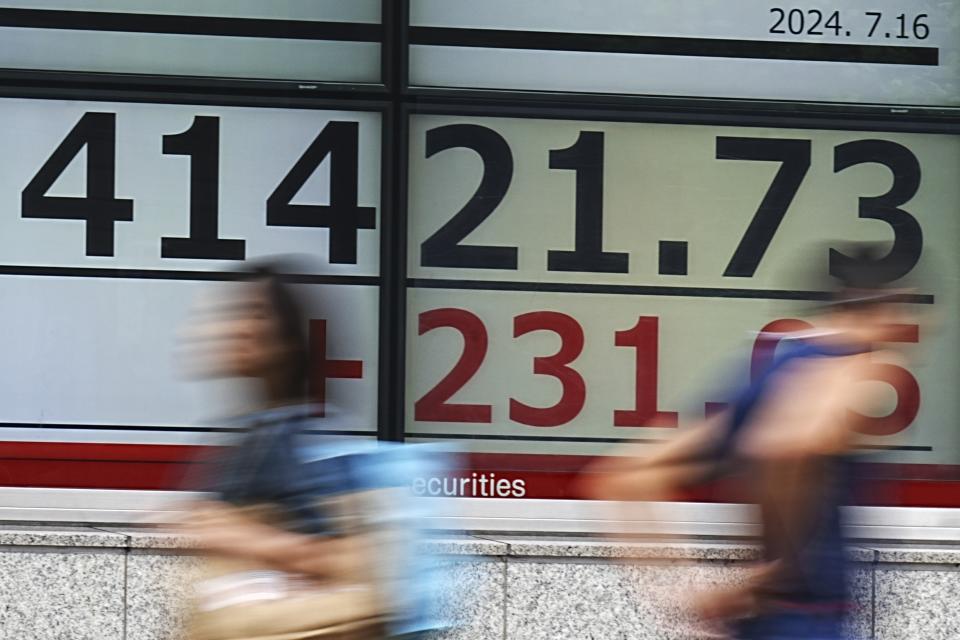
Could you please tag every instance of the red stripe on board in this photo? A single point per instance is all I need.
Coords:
(85, 465)
(93, 465)
(97, 451)
(76, 474)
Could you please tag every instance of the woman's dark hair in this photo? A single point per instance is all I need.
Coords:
(290, 322)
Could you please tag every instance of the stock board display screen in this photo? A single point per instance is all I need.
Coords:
(573, 284)
(571, 279)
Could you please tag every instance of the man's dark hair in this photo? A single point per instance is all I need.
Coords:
(867, 274)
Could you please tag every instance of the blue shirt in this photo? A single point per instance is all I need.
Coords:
(276, 463)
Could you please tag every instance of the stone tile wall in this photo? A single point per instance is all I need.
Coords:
(114, 584)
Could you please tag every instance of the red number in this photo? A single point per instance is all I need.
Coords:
(433, 406)
(906, 386)
(574, 390)
(644, 337)
(765, 346)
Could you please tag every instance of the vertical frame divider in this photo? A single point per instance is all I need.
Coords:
(395, 17)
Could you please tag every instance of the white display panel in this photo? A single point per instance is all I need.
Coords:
(301, 42)
(853, 52)
(669, 288)
(104, 353)
(118, 223)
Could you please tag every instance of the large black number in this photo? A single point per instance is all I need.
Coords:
(443, 248)
(202, 143)
(907, 234)
(876, 15)
(776, 26)
(796, 28)
(586, 158)
(99, 208)
(813, 28)
(343, 217)
(834, 23)
(795, 158)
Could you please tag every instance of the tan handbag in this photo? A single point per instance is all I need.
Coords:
(238, 600)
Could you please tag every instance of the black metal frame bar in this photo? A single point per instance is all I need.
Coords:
(181, 96)
(545, 109)
(682, 104)
(393, 254)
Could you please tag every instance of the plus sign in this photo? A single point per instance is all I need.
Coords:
(322, 369)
